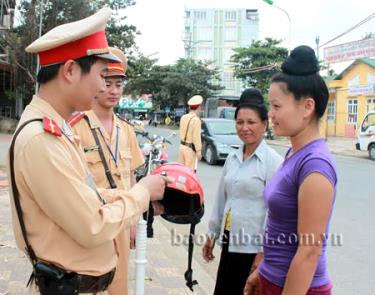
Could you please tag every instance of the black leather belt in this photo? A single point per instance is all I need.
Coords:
(189, 145)
(94, 284)
(53, 280)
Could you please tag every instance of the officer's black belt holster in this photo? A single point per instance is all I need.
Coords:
(189, 145)
(52, 280)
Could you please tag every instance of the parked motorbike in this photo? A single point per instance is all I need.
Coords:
(153, 152)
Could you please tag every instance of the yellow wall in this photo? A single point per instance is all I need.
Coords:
(340, 126)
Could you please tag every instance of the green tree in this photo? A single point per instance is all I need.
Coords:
(368, 35)
(142, 75)
(119, 34)
(171, 84)
(187, 78)
(256, 64)
(56, 12)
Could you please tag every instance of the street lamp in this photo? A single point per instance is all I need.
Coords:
(270, 2)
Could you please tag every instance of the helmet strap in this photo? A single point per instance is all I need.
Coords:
(189, 272)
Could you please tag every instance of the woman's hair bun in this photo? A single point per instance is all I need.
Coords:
(251, 96)
(301, 62)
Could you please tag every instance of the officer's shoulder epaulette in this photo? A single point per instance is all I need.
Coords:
(124, 120)
(51, 126)
(75, 118)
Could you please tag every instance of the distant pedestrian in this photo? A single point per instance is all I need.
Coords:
(301, 195)
(190, 134)
(239, 207)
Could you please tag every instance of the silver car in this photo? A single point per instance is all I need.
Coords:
(219, 138)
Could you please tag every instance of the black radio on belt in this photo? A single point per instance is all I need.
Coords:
(53, 280)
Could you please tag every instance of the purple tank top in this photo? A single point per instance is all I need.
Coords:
(281, 195)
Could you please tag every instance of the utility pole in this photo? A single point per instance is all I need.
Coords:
(324, 119)
(317, 46)
(41, 4)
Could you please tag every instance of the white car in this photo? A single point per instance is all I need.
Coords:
(366, 135)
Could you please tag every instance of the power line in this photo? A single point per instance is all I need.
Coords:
(371, 16)
(259, 69)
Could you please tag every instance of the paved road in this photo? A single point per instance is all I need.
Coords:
(351, 264)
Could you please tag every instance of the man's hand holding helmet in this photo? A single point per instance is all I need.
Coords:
(155, 185)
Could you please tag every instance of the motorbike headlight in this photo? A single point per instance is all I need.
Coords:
(146, 149)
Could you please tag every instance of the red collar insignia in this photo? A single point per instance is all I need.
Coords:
(51, 126)
(75, 118)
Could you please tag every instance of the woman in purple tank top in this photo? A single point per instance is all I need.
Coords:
(301, 194)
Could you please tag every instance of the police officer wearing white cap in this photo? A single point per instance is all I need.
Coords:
(190, 134)
(66, 224)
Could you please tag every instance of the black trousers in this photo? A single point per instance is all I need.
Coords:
(234, 269)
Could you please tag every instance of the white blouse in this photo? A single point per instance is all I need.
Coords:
(241, 190)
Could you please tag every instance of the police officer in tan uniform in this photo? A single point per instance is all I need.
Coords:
(70, 225)
(190, 134)
(109, 142)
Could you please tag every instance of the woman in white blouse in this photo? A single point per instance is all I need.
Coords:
(239, 212)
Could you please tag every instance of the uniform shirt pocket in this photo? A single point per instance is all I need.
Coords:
(125, 161)
(95, 165)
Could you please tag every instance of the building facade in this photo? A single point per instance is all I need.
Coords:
(352, 95)
(211, 34)
(7, 107)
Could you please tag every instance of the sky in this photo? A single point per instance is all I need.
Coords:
(161, 22)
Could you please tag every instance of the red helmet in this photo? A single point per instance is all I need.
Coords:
(183, 197)
(183, 204)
